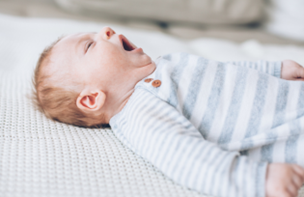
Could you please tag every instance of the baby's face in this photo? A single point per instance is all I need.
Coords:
(103, 60)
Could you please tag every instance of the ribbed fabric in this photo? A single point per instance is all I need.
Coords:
(214, 126)
(44, 158)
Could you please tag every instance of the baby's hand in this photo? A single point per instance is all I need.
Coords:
(291, 70)
(283, 180)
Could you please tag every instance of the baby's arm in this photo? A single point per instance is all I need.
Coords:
(269, 67)
(160, 134)
(287, 69)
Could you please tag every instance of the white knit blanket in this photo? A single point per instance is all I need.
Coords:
(43, 158)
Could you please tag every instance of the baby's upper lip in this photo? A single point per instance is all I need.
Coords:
(126, 44)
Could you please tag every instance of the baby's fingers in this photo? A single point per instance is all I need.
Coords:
(297, 181)
(299, 79)
(300, 172)
(299, 74)
(293, 190)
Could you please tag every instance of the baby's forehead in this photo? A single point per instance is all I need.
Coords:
(65, 51)
(69, 43)
(61, 56)
(62, 50)
(67, 40)
(75, 37)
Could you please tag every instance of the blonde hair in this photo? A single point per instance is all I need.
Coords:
(58, 103)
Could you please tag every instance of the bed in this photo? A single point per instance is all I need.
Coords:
(43, 158)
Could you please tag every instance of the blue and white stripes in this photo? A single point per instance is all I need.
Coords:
(193, 127)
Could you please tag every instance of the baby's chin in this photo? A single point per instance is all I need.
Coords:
(140, 60)
(148, 63)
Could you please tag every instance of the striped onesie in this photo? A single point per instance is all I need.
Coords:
(214, 126)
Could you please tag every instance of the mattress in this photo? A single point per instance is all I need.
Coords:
(43, 158)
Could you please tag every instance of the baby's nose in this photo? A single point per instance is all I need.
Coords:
(107, 32)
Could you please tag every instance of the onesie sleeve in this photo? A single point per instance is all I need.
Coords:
(270, 67)
(160, 134)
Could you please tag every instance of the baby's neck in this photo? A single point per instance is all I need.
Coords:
(122, 105)
(118, 99)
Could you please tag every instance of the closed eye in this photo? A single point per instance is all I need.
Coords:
(88, 46)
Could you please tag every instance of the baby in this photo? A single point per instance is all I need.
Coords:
(223, 129)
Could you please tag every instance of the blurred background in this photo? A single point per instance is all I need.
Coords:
(267, 21)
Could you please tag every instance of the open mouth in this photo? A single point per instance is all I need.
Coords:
(128, 46)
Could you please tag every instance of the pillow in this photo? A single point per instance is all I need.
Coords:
(195, 11)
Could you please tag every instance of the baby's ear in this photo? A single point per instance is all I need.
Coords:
(90, 101)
